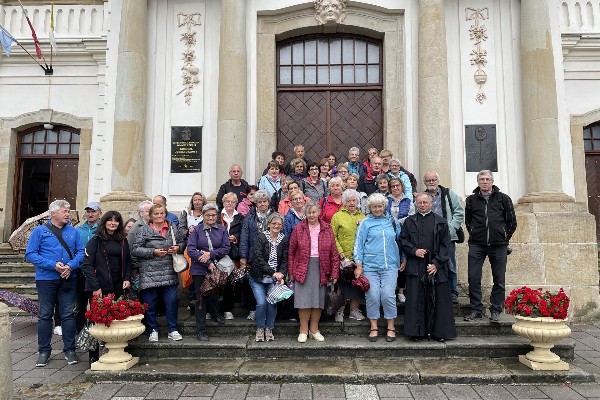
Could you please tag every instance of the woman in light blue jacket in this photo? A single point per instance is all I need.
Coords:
(377, 255)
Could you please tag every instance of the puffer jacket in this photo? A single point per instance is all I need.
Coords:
(376, 245)
(156, 271)
(344, 226)
(299, 253)
(262, 249)
(490, 222)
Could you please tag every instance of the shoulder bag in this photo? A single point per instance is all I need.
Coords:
(217, 279)
(180, 264)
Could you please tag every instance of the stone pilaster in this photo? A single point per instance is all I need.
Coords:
(6, 379)
(127, 179)
(232, 114)
(540, 107)
(434, 122)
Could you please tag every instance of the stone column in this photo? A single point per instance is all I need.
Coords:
(434, 121)
(127, 182)
(232, 115)
(6, 379)
(540, 107)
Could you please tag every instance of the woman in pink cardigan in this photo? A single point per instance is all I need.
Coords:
(313, 260)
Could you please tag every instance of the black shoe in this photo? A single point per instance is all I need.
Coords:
(454, 299)
(495, 316)
(220, 320)
(473, 316)
(42, 360)
(389, 338)
(373, 338)
(202, 336)
(71, 357)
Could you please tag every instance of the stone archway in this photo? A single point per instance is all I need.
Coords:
(8, 144)
(373, 21)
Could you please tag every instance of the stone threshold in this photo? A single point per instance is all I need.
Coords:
(356, 370)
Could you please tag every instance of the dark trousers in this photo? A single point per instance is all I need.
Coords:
(82, 300)
(203, 304)
(497, 258)
(51, 293)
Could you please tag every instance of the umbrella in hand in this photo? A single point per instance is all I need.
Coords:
(20, 301)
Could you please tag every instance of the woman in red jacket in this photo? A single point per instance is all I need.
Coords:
(312, 261)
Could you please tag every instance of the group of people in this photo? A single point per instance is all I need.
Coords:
(300, 225)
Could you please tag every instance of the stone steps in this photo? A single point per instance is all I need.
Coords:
(335, 370)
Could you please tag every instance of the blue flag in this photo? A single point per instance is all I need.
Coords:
(6, 40)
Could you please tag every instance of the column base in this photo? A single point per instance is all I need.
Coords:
(541, 366)
(546, 197)
(125, 202)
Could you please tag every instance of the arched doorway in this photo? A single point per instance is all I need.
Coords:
(46, 170)
(329, 94)
(591, 146)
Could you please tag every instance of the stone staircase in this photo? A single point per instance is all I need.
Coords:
(16, 275)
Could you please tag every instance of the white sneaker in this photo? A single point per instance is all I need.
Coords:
(339, 316)
(317, 336)
(153, 336)
(357, 315)
(228, 315)
(302, 337)
(175, 336)
(401, 298)
(208, 316)
(251, 316)
(58, 330)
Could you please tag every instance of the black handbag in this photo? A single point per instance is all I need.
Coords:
(334, 300)
(460, 234)
(85, 341)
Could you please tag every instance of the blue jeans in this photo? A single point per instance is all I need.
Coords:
(497, 257)
(50, 293)
(452, 279)
(169, 296)
(382, 293)
(265, 311)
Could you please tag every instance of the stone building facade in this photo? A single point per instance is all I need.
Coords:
(449, 86)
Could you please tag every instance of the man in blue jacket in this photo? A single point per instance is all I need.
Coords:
(56, 251)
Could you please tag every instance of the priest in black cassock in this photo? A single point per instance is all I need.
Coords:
(428, 309)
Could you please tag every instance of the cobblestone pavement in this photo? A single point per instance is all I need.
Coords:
(61, 381)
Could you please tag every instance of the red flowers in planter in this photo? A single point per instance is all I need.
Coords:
(105, 310)
(534, 303)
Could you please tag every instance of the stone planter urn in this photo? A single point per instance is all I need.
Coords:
(116, 337)
(542, 332)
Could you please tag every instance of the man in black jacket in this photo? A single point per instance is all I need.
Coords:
(490, 220)
(235, 185)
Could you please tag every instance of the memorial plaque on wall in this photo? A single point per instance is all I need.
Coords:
(480, 147)
(186, 149)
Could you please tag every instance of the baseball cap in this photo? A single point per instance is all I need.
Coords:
(93, 205)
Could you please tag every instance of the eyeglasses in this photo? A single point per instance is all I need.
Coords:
(298, 199)
(313, 169)
(395, 186)
(210, 215)
(431, 180)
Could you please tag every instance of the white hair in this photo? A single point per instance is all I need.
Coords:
(58, 204)
(376, 198)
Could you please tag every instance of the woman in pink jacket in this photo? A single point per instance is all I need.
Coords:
(313, 260)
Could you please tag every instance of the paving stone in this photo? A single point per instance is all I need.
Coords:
(427, 392)
(40, 372)
(264, 390)
(231, 391)
(50, 391)
(296, 391)
(16, 374)
(165, 391)
(135, 390)
(127, 398)
(490, 392)
(560, 393)
(459, 392)
(62, 377)
(329, 391)
(587, 391)
(586, 353)
(101, 391)
(27, 381)
(393, 390)
(525, 392)
(199, 390)
(361, 392)
(461, 370)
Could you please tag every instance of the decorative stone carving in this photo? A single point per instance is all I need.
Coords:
(478, 33)
(330, 12)
(190, 72)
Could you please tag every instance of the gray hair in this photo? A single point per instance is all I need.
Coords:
(334, 180)
(354, 149)
(424, 194)
(382, 177)
(434, 173)
(347, 194)
(141, 206)
(376, 198)
(308, 206)
(485, 172)
(395, 160)
(261, 195)
(274, 216)
(58, 204)
(208, 207)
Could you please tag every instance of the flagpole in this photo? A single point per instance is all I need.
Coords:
(46, 70)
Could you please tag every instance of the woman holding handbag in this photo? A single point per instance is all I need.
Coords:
(154, 246)
(269, 268)
(107, 262)
(206, 245)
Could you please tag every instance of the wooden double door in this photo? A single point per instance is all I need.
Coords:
(329, 121)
